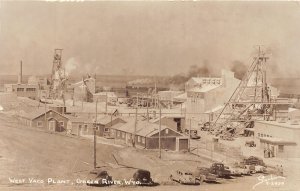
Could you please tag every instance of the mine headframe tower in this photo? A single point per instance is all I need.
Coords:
(251, 100)
(58, 77)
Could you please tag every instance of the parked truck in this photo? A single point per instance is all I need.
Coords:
(219, 170)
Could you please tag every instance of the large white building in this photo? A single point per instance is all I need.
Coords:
(204, 94)
(281, 137)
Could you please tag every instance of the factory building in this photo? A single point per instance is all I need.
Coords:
(279, 138)
(204, 94)
(84, 89)
(167, 97)
(146, 135)
(21, 89)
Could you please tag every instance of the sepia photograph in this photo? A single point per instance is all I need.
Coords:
(149, 95)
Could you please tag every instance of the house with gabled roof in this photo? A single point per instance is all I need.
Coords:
(44, 118)
(146, 135)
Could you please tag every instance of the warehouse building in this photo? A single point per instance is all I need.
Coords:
(22, 90)
(46, 119)
(85, 126)
(146, 135)
(204, 94)
(279, 138)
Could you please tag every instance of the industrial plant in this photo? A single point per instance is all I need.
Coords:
(139, 109)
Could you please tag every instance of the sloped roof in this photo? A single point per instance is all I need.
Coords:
(172, 115)
(180, 97)
(143, 128)
(197, 79)
(38, 112)
(34, 114)
(204, 88)
(107, 119)
(275, 140)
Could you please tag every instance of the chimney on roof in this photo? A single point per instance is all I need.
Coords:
(20, 74)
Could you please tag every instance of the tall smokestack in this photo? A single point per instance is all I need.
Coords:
(20, 74)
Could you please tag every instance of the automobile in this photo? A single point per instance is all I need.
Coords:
(226, 138)
(184, 177)
(244, 170)
(194, 134)
(219, 170)
(205, 127)
(250, 168)
(143, 177)
(203, 174)
(234, 171)
(98, 177)
(252, 160)
(250, 144)
(260, 169)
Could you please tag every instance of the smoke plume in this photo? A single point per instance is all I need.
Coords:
(71, 65)
(239, 69)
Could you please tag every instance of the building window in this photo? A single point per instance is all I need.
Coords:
(167, 131)
(143, 140)
(85, 128)
(280, 148)
(61, 124)
(20, 89)
(123, 135)
(30, 89)
(40, 124)
(106, 129)
(139, 139)
(118, 133)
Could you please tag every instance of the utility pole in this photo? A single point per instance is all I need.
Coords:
(147, 107)
(45, 116)
(137, 100)
(95, 138)
(73, 97)
(159, 135)
(135, 124)
(106, 104)
(190, 135)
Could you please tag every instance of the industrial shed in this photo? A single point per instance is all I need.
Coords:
(48, 119)
(146, 135)
(85, 126)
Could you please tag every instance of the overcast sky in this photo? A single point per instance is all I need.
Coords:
(154, 38)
